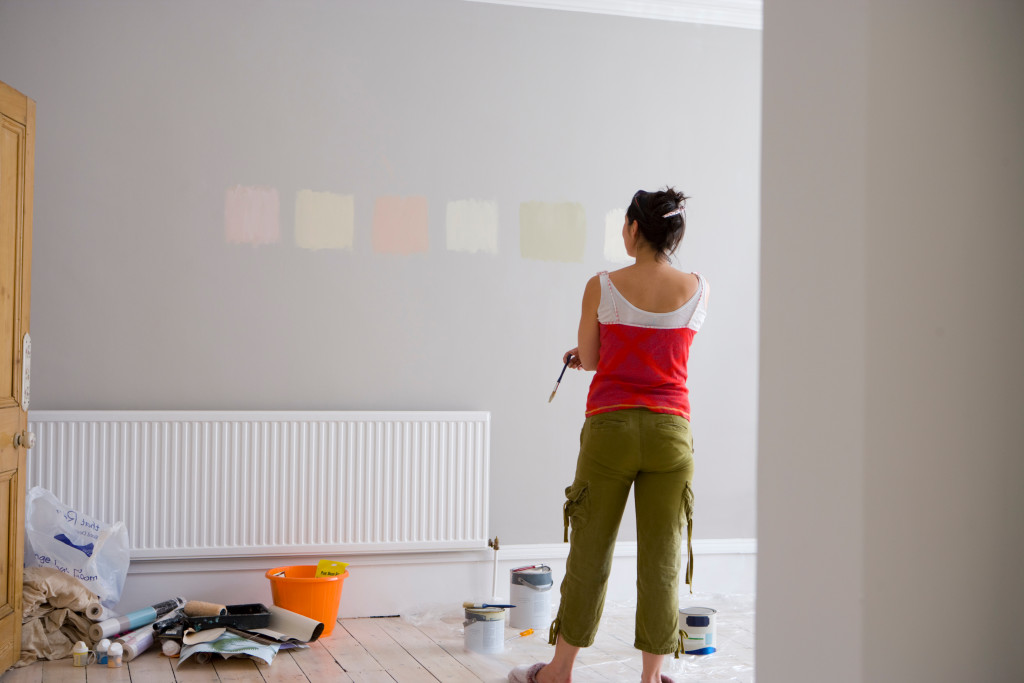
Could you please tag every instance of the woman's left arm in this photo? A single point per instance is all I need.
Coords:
(589, 336)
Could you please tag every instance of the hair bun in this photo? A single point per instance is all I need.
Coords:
(663, 234)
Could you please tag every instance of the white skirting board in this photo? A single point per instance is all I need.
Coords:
(389, 583)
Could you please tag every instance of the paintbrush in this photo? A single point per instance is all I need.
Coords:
(481, 605)
(559, 380)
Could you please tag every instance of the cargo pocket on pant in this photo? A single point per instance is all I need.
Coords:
(575, 508)
(686, 514)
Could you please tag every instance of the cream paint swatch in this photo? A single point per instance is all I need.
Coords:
(324, 220)
(614, 247)
(471, 225)
(400, 225)
(552, 231)
(252, 215)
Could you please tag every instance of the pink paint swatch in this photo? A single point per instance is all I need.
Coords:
(252, 215)
(400, 225)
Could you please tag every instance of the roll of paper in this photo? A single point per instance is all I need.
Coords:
(97, 612)
(136, 642)
(286, 625)
(133, 620)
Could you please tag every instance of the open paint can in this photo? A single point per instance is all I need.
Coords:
(484, 630)
(697, 630)
(531, 595)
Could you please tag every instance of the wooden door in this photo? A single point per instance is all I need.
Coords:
(17, 142)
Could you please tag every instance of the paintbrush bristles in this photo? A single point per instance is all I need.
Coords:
(552, 396)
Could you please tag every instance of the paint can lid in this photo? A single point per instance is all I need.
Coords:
(698, 611)
(536, 575)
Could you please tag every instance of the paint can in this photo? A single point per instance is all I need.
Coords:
(484, 630)
(697, 630)
(531, 595)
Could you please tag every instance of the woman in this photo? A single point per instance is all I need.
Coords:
(635, 330)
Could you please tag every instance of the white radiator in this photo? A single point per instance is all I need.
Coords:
(226, 484)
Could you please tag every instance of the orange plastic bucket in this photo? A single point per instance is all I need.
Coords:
(300, 591)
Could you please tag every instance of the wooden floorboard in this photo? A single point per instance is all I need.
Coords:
(394, 650)
(188, 671)
(429, 654)
(318, 665)
(391, 656)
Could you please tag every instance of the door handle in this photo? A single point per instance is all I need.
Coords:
(25, 439)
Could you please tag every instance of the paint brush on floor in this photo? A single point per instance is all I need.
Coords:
(482, 605)
(559, 380)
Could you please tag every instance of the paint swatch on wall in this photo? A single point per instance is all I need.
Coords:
(252, 215)
(614, 247)
(471, 225)
(552, 231)
(324, 220)
(400, 225)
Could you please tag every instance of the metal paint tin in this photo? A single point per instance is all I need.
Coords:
(531, 594)
(697, 630)
(484, 630)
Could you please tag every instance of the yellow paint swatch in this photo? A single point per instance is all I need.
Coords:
(324, 220)
(471, 225)
(552, 231)
(614, 246)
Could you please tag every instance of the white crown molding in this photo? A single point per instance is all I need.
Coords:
(734, 13)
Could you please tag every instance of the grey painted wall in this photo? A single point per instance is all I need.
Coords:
(891, 368)
(149, 111)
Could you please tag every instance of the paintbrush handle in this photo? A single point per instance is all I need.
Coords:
(567, 361)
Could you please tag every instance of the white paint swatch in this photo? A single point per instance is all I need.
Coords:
(471, 225)
(324, 220)
(614, 247)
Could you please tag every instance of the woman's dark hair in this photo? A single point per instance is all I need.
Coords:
(661, 218)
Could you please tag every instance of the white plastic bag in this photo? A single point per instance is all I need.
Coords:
(94, 552)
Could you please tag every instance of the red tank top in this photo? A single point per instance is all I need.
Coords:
(644, 355)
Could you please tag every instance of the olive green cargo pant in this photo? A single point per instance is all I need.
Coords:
(620, 449)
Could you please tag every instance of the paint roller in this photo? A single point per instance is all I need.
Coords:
(198, 608)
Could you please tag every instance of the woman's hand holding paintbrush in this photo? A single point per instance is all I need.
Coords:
(571, 358)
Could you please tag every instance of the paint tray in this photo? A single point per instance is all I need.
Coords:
(245, 617)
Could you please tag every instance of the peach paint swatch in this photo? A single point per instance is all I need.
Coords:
(400, 225)
(471, 225)
(252, 215)
(324, 220)
(614, 247)
(552, 231)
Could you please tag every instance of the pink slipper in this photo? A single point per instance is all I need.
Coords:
(526, 673)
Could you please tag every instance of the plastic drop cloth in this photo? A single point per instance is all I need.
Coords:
(613, 653)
